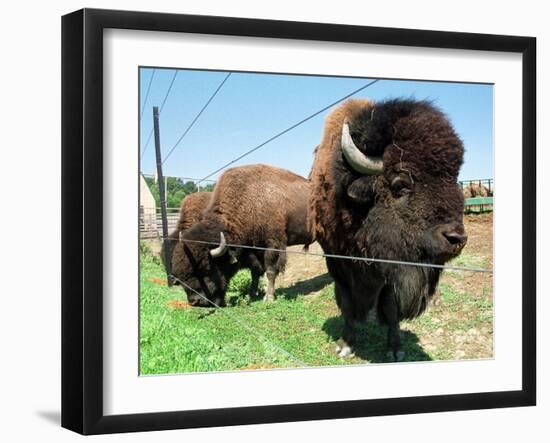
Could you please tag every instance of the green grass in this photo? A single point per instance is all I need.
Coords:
(469, 261)
(253, 334)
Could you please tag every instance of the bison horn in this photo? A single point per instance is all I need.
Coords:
(357, 160)
(221, 249)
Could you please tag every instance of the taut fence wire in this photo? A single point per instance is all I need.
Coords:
(345, 257)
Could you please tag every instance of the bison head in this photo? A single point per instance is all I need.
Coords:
(394, 170)
(202, 269)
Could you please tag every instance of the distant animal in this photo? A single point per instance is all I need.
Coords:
(191, 209)
(384, 186)
(255, 205)
(473, 189)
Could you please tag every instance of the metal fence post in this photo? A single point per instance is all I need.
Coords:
(160, 176)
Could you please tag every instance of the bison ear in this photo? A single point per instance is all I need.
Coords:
(362, 191)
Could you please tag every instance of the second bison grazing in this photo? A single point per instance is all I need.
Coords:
(384, 185)
(191, 209)
(255, 205)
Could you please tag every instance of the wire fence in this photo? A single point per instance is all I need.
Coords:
(345, 257)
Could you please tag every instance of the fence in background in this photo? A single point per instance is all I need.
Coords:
(150, 217)
(478, 195)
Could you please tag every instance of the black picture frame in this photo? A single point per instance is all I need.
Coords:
(82, 218)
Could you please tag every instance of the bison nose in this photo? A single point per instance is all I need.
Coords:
(455, 238)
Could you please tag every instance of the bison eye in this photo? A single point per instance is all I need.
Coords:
(401, 185)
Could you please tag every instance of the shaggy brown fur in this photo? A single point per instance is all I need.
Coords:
(410, 212)
(325, 210)
(191, 209)
(261, 205)
(256, 205)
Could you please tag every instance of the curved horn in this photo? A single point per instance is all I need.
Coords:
(220, 250)
(357, 160)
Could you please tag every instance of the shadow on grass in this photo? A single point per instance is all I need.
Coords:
(304, 287)
(372, 339)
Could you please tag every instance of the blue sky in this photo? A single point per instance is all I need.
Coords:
(251, 108)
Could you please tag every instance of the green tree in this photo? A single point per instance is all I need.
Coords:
(176, 190)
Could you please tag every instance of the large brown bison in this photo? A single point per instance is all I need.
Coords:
(384, 185)
(191, 209)
(255, 205)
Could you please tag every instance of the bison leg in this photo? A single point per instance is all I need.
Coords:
(274, 263)
(344, 346)
(270, 293)
(253, 291)
(388, 309)
(256, 270)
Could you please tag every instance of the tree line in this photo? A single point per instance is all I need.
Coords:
(176, 190)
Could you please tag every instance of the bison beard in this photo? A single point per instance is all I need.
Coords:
(384, 185)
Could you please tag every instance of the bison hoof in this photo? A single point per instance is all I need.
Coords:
(346, 352)
(396, 356)
(343, 350)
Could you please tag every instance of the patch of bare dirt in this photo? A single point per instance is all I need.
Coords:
(307, 274)
(178, 304)
(479, 228)
(157, 281)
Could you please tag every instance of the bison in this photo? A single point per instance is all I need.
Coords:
(384, 185)
(191, 209)
(473, 189)
(254, 205)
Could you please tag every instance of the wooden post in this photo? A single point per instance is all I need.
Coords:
(160, 177)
